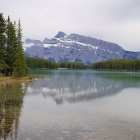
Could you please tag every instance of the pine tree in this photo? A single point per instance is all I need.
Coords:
(11, 46)
(20, 68)
(12, 60)
(2, 42)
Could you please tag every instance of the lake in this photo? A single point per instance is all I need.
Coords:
(72, 105)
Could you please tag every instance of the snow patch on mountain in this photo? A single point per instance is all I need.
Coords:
(76, 48)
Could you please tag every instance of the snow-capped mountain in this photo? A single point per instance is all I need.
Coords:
(76, 48)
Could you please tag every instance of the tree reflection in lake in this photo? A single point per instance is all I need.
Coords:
(94, 105)
(11, 101)
(75, 86)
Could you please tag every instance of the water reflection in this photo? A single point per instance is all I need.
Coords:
(76, 86)
(116, 116)
(11, 101)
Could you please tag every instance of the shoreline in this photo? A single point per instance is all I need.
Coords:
(16, 79)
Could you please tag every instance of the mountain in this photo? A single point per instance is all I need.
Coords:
(76, 48)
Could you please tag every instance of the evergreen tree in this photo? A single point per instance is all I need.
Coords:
(11, 46)
(12, 60)
(20, 66)
(2, 42)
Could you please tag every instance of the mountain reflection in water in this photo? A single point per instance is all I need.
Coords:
(25, 115)
(77, 86)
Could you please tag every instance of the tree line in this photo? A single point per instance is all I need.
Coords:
(34, 62)
(120, 64)
(12, 60)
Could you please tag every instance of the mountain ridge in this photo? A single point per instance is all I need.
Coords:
(76, 48)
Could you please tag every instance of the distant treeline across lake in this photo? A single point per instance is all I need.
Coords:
(121, 64)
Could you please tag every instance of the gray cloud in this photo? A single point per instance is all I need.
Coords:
(117, 21)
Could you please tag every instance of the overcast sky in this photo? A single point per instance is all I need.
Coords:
(116, 21)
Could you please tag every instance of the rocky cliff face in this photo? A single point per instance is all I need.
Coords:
(76, 48)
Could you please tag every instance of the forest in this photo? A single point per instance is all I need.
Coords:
(119, 65)
(34, 62)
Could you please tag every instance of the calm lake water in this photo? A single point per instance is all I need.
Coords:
(72, 105)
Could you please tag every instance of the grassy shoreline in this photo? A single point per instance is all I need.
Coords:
(16, 79)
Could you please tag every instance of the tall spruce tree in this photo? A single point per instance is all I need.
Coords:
(11, 46)
(20, 67)
(2, 42)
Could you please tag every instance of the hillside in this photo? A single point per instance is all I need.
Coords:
(76, 48)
